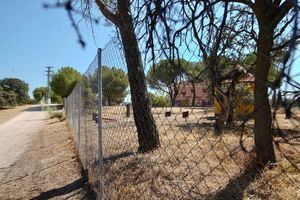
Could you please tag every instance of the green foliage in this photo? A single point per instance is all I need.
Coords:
(249, 63)
(64, 81)
(55, 98)
(226, 65)
(245, 95)
(7, 98)
(114, 85)
(32, 101)
(89, 94)
(13, 91)
(165, 74)
(159, 100)
(40, 92)
(196, 71)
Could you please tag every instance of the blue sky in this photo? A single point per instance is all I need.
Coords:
(32, 38)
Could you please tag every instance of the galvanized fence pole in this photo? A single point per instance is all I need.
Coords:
(79, 118)
(100, 144)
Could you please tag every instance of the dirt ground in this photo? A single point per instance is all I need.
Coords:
(192, 163)
(18, 133)
(8, 113)
(49, 168)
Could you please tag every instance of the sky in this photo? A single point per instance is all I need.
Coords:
(32, 38)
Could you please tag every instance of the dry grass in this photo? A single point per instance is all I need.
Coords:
(192, 163)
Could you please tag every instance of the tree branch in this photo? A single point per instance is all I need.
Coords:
(246, 2)
(283, 9)
(285, 44)
(106, 12)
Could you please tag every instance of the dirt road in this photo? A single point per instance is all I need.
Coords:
(38, 159)
(8, 113)
(17, 134)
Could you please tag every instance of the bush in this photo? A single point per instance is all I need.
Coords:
(159, 100)
(32, 101)
(7, 99)
(53, 113)
(58, 115)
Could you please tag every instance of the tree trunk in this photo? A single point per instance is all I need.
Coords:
(279, 99)
(288, 111)
(172, 102)
(148, 136)
(263, 120)
(229, 120)
(274, 99)
(194, 93)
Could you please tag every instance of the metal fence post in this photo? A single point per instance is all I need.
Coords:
(79, 118)
(100, 144)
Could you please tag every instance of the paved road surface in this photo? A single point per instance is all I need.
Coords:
(18, 133)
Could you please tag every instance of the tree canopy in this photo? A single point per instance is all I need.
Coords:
(7, 98)
(249, 63)
(115, 84)
(40, 92)
(157, 100)
(64, 81)
(14, 91)
(166, 76)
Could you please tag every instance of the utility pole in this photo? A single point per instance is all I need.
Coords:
(48, 95)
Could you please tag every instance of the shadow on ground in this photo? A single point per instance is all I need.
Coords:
(34, 109)
(116, 157)
(236, 187)
(80, 184)
(42, 107)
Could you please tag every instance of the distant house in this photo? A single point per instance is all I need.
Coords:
(186, 94)
(242, 108)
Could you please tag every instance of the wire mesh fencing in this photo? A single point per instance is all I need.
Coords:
(176, 113)
(81, 108)
(192, 159)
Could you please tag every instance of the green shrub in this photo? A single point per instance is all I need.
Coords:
(159, 100)
(32, 101)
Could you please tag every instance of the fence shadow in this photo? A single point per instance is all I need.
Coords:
(81, 183)
(236, 187)
(56, 192)
(118, 156)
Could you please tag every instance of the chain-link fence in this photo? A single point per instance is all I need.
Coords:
(181, 111)
(81, 109)
(192, 160)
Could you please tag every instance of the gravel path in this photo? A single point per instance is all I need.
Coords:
(8, 113)
(38, 159)
(18, 133)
